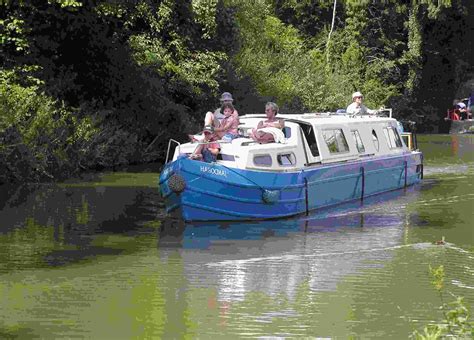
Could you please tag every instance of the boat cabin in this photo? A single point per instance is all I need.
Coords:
(312, 140)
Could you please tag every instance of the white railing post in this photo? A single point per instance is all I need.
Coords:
(169, 146)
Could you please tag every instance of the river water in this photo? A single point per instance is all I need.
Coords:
(96, 258)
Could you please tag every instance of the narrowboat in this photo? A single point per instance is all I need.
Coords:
(325, 159)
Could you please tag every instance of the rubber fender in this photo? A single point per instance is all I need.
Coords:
(270, 196)
(176, 183)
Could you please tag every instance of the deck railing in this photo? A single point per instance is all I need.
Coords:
(169, 147)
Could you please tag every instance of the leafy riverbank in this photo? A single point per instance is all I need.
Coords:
(86, 85)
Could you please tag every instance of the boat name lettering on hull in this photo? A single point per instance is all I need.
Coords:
(214, 171)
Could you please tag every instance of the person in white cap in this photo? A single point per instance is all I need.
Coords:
(462, 110)
(356, 107)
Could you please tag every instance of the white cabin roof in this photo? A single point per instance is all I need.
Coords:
(311, 140)
(319, 118)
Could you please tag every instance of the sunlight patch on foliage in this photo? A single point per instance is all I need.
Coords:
(205, 11)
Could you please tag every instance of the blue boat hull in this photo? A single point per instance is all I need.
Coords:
(216, 192)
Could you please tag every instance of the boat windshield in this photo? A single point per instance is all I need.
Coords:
(308, 132)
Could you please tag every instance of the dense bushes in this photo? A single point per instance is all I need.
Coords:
(87, 85)
(38, 136)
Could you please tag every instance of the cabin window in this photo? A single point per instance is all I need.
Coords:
(286, 159)
(375, 139)
(224, 157)
(407, 139)
(393, 137)
(262, 160)
(358, 140)
(308, 132)
(335, 141)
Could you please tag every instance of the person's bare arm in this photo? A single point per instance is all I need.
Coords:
(227, 125)
(214, 151)
(279, 124)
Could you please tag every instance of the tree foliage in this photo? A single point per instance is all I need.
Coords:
(134, 73)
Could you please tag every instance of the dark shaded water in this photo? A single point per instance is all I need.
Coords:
(96, 259)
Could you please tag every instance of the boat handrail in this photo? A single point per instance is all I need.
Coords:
(169, 146)
(379, 112)
(386, 109)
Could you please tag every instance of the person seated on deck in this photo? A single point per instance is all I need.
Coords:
(208, 149)
(215, 119)
(356, 107)
(269, 130)
(454, 113)
(462, 110)
(228, 128)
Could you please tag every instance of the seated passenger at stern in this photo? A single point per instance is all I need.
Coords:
(356, 107)
(269, 130)
(215, 118)
(218, 119)
(208, 149)
(228, 128)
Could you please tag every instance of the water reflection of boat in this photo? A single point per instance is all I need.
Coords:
(277, 256)
(178, 233)
(457, 126)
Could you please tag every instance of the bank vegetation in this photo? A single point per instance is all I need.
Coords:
(87, 85)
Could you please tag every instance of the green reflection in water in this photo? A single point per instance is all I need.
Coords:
(138, 295)
(446, 207)
(141, 290)
(25, 246)
(118, 179)
(447, 149)
(82, 213)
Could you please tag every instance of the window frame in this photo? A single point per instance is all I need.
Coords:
(310, 136)
(357, 138)
(335, 130)
(292, 159)
(262, 164)
(375, 140)
(393, 138)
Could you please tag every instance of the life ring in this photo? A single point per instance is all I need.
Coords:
(176, 183)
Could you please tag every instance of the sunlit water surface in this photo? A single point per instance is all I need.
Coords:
(96, 258)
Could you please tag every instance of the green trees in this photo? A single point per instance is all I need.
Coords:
(136, 73)
(390, 51)
(38, 137)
